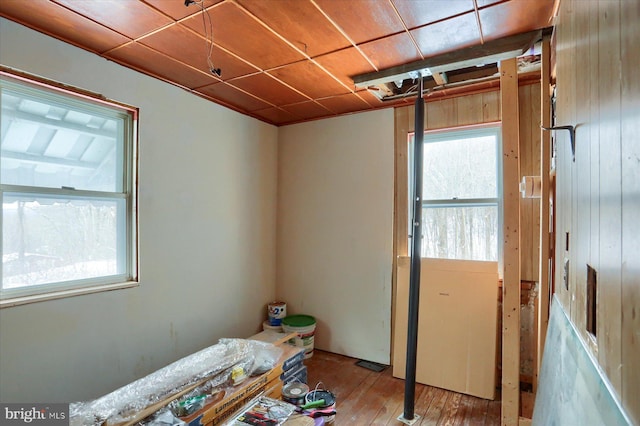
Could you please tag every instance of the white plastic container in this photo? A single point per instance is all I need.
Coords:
(305, 327)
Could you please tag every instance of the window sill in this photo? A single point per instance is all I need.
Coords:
(24, 300)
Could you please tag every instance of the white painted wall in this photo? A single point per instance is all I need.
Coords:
(335, 220)
(208, 179)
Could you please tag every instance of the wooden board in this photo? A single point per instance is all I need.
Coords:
(511, 246)
(545, 251)
(456, 325)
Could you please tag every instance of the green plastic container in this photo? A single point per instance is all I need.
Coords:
(305, 327)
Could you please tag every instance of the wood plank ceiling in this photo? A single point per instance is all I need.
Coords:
(281, 61)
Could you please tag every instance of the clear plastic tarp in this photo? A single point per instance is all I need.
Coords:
(197, 374)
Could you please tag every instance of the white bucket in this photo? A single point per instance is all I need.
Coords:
(305, 327)
(268, 327)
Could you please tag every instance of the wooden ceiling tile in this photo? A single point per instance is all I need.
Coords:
(309, 79)
(61, 23)
(307, 110)
(363, 20)
(177, 10)
(514, 17)
(241, 34)
(291, 19)
(419, 13)
(184, 45)
(268, 88)
(344, 64)
(484, 3)
(276, 116)
(232, 96)
(128, 17)
(156, 64)
(449, 35)
(391, 51)
(343, 104)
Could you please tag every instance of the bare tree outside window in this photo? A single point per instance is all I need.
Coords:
(460, 194)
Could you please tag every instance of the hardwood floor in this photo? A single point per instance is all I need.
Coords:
(364, 397)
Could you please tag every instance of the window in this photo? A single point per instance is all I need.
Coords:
(460, 207)
(67, 177)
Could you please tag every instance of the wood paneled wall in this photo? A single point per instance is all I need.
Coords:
(598, 201)
(529, 106)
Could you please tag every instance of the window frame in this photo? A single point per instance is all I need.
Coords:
(452, 133)
(49, 91)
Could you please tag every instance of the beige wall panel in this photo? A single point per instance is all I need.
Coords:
(335, 229)
(207, 219)
(456, 325)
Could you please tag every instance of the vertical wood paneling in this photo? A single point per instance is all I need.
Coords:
(529, 105)
(609, 276)
(403, 122)
(468, 110)
(630, 137)
(511, 235)
(594, 139)
(581, 171)
(526, 204)
(598, 81)
(490, 106)
(441, 114)
(564, 80)
(545, 166)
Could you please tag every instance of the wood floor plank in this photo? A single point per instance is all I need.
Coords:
(392, 406)
(433, 413)
(365, 397)
(493, 413)
(379, 393)
(450, 410)
(465, 409)
(478, 413)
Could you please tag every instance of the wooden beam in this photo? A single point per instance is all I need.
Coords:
(461, 58)
(545, 252)
(440, 78)
(511, 243)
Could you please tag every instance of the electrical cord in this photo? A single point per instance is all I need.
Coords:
(208, 35)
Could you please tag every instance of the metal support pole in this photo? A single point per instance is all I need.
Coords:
(409, 416)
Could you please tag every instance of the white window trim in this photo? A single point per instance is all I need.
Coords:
(431, 136)
(25, 295)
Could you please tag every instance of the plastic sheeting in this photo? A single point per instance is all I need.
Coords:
(572, 389)
(207, 369)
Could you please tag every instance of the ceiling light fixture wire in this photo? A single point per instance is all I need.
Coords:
(208, 35)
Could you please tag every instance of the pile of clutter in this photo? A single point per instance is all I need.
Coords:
(234, 382)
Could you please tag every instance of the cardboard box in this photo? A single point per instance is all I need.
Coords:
(298, 374)
(216, 412)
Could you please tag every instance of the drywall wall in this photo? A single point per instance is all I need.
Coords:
(207, 213)
(598, 202)
(335, 219)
